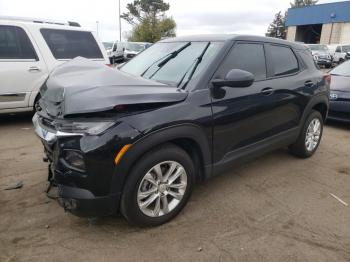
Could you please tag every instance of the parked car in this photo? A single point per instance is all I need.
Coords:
(185, 109)
(342, 53)
(30, 49)
(340, 93)
(321, 54)
(134, 48)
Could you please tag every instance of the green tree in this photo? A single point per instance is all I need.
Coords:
(302, 3)
(149, 21)
(277, 28)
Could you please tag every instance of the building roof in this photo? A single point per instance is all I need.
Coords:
(337, 12)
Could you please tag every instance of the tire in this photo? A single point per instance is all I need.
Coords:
(38, 97)
(300, 148)
(138, 185)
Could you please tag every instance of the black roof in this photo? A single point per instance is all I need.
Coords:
(233, 37)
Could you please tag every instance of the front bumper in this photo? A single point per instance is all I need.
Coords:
(87, 193)
(324, 62)
(83, 203)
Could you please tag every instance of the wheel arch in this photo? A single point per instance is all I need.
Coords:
(319, 103)
(191, 138)
(322, 108)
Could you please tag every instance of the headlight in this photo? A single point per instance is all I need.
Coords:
(90, 128)
(74, 159)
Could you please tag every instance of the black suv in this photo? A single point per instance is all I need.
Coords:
(137, 138)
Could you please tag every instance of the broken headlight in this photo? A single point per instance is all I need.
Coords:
(90, 128)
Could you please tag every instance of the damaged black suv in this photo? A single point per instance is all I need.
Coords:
(137, 138)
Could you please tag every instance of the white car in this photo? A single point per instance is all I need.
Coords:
(341, 53)
(30, 49)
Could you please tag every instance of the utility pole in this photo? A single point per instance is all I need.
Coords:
(97, 29)
(120, 23)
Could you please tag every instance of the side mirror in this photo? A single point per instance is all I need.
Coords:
(235, 78)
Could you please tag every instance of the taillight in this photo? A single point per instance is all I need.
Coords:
(120, 108)
(327, 79)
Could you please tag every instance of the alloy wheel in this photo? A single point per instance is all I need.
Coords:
(313, 134)
(162, 189)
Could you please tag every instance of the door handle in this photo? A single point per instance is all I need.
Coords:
(34, 69)
(309, 83)
(267, 91)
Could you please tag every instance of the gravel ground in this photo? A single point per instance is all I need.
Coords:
(276, 208)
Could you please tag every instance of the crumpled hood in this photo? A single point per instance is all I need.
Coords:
(84, 86)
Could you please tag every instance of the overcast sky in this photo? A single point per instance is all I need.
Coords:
(191, 16)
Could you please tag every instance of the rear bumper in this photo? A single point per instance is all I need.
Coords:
(339, 111)
(83, 203)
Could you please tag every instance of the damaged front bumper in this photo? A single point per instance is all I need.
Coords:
(88, 192)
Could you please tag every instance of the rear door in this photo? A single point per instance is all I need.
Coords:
(291, 82)
(21, 68)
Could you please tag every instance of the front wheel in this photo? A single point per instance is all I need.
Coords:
(310, 136)
(158, 186)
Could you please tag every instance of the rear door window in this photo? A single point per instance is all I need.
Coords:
(68, 44)
(15, 44)
(282, 60)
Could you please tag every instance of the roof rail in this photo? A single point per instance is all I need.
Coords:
(39, 21)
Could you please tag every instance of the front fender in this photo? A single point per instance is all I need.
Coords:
(152, 140)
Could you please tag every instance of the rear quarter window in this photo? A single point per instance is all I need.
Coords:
(68, 44)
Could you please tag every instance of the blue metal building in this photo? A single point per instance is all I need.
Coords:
(323, 23)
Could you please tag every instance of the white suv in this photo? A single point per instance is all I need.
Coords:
(31, 49)
(341, 53)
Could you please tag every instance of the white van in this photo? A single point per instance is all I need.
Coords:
(30, 49)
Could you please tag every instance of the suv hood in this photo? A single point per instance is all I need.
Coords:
(84, 86)
(320, 53)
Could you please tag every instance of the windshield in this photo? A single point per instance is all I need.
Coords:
(346, 48)
(108, 45)
(135, 47)
(342, 70)
(318, 47)
(172, 63)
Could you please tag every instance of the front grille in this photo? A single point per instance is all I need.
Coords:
(46, 122)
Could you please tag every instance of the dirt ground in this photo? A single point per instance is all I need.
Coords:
(276, 208)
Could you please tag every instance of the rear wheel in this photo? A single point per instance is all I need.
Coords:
(310, 136)
(158, 186)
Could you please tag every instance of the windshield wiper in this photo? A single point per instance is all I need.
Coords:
(176, 52)
(196, 64)
(171, 56)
